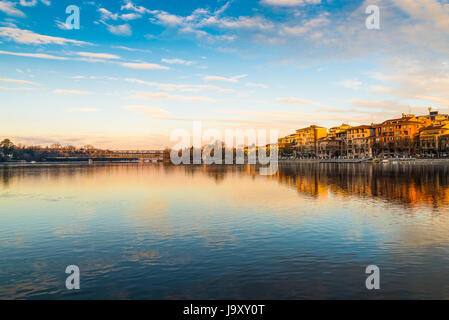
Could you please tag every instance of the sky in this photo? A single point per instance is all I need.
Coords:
(137, 70)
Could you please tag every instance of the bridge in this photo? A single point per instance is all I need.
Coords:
(118, 155)
(142, 155)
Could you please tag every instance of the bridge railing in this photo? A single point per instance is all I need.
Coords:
(136, 152)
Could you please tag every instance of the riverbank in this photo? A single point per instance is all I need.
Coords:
(375, 161)
(296, 161)
(59, 163)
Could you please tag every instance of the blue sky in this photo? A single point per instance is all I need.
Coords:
(137, 70)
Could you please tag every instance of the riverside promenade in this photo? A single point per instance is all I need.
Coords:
(371, 161)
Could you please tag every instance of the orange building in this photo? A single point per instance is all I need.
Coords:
(398, 137)
(402, 137)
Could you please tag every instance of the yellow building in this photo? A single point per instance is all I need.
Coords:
(336, 130)
(287, 141)
(434, 118)
(429, 138)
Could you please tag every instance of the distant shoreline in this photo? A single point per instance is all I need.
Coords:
(59, 163)
(281, 162)
(376, 161)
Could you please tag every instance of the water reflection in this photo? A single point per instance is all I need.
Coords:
(406, 184)
(154, 231)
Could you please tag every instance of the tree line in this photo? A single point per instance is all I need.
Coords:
(11, 152)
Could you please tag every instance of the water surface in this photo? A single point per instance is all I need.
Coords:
(164, 232)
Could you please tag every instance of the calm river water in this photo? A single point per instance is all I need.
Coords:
(165, 232)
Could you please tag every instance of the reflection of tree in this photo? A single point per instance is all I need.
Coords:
(6, 175)
(217, 173)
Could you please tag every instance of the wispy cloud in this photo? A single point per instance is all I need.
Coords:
(166, 96)
(120, 30)
(153, 112)
(234, 79)
(256, 22)
(353, 84)
(256, 85)
(180, 87)
(33, 55)
(144, 66)
(33, 3)
(201, 19)
(305, 27)
(379, 110)
(289, 3)
(130, 16)
(132, 7)
(71, 92)
(404, 78)
(23, 82)
(300, 101)
(132, 49)
(10, 9)
(178, 61)
(16, 89)
(108, 15)
(98, 55)
(28, 3)
(30, 37)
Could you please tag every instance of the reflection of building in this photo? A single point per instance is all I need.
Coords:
(408, 185)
